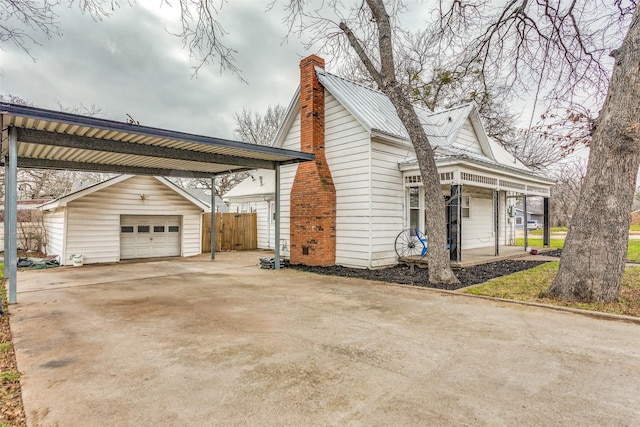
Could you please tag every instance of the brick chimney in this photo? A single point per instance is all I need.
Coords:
(313, 196)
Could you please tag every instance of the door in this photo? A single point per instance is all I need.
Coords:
(150, 236)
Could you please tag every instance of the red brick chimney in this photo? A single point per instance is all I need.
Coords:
(313, 196)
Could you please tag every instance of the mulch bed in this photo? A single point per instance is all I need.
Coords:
(405, 275)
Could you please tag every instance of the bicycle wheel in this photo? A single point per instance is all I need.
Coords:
(410, 244)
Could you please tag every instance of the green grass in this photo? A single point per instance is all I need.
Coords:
(5, 346)
(633, 249)
(635, 227)
(553, 230)
(9, 376)
(531, 285)
(537, 242)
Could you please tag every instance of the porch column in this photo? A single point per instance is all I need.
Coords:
(546, 239)
(455, 223)
(11, 215)
(524, 222)
(496, 220)
(276, 243)
(213, 217)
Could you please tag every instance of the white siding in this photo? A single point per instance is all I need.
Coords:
(387, 202)
(192, 233)
(477, 230)
(348, 153)
(467, 138)
(287, 175)
(93, 221)
(54, 223)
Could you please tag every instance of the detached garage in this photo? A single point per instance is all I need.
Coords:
(126, 217)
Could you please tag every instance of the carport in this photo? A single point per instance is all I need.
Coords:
(46, 139)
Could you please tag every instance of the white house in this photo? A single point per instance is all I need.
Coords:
(257, 194)
(364, 187)
(125, 217)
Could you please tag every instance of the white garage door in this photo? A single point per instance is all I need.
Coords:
(149, 236)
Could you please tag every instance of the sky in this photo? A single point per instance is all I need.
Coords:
(129, 63)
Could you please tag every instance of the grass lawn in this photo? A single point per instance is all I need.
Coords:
(531, 285)
(633, 250)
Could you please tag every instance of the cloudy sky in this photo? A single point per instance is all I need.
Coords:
(128, 63)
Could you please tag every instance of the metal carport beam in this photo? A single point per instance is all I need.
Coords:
(110, 146)
(24, 162)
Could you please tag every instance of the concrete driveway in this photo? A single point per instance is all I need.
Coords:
(195, 342)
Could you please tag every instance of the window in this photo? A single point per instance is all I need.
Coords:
(414, 207)
(466, 207)
(519, 220)
(174, 229)
(272, 207)
(158, 228)
(126, 229)
(143, 229)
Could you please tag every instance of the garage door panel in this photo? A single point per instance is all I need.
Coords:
(148, 236)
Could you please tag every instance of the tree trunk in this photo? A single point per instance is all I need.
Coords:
(595, 252)
(439, 266)
(435, 208)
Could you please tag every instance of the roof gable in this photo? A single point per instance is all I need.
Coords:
(64, 200)
(260, 182)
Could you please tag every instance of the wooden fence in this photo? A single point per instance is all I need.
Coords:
(234, 232)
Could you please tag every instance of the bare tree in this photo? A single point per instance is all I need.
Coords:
(24, 22)
(259, 129)
(566, 193)
(565, 46)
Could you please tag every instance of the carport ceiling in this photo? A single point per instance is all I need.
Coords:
(55, 140)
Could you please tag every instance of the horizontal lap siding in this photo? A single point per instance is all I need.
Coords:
(477, 231)
(265, 234)
(93, 221)
(287, 174)
(192, 234)
(347, 148)
(54, 223)
(387, 218)
(467, 138)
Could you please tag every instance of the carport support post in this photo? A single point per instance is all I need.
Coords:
(276, 244)
(213, 217)
(496, 220)
(546, 238)
(455, 220)
(11, 215)
(525, 221)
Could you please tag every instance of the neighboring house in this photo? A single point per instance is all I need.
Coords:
(256, 193)
(635, 217)
(533, 214)
(348, 206)
(125, 217)
(204, 195)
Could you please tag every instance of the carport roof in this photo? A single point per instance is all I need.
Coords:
(50, 139)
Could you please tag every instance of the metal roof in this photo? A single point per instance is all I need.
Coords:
(375, 112)
(56, 140)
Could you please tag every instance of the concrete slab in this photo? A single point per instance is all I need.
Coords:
(194, 342)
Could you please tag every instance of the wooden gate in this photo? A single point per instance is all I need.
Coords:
(234, 232)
